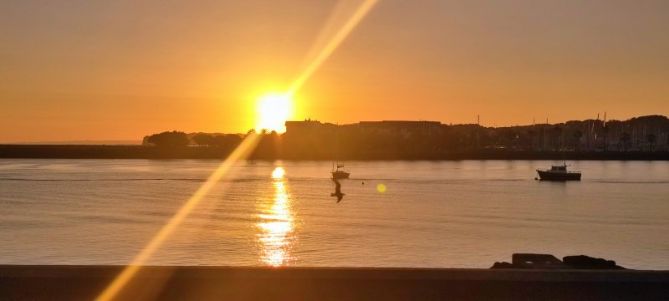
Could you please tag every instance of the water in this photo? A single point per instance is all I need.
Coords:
(431, 214)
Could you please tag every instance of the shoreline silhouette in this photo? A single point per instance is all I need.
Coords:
(639, 138)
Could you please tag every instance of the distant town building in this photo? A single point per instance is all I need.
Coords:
(308, 126)
(404, 128)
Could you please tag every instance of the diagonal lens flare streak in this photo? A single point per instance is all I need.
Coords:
(240, 153)
(332, 44)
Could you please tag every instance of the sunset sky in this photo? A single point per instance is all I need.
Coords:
(118, 70)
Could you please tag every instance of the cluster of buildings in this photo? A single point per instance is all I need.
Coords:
(385, 127)
(646, 133)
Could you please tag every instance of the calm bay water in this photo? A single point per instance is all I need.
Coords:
(431, 214)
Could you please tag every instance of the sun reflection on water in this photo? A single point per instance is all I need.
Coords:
(276, 223)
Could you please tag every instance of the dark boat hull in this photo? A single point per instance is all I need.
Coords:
(558, 176)
(340, 175)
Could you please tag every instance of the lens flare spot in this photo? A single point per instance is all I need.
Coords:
(381, 188)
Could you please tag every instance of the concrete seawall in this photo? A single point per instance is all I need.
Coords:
(21, 282)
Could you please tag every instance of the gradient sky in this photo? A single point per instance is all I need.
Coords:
(118, 70)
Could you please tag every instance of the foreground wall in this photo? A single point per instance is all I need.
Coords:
(226, 283)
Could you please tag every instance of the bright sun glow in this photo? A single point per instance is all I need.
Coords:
(273, 111)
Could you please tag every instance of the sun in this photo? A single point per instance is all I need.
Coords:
(273, 111)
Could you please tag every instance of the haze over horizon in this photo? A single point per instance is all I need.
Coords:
(97, 70)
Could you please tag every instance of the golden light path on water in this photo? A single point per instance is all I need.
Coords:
(240, 153)
(276, 222)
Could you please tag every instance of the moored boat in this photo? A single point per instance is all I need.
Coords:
(338, 173)
(558, 173)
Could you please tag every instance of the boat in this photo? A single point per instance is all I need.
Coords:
(338, 173)
(558, 173)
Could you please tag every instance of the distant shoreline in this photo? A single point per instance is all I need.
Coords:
(29, 151)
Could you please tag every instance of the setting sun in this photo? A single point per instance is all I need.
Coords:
(273, 111)
(338, 149)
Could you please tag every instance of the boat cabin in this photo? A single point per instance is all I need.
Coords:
(559, 168)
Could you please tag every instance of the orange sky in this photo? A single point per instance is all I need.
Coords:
(118, 70)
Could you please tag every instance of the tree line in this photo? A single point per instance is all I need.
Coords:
(172, 139)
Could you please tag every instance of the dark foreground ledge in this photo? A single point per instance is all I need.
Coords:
(237, 283)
